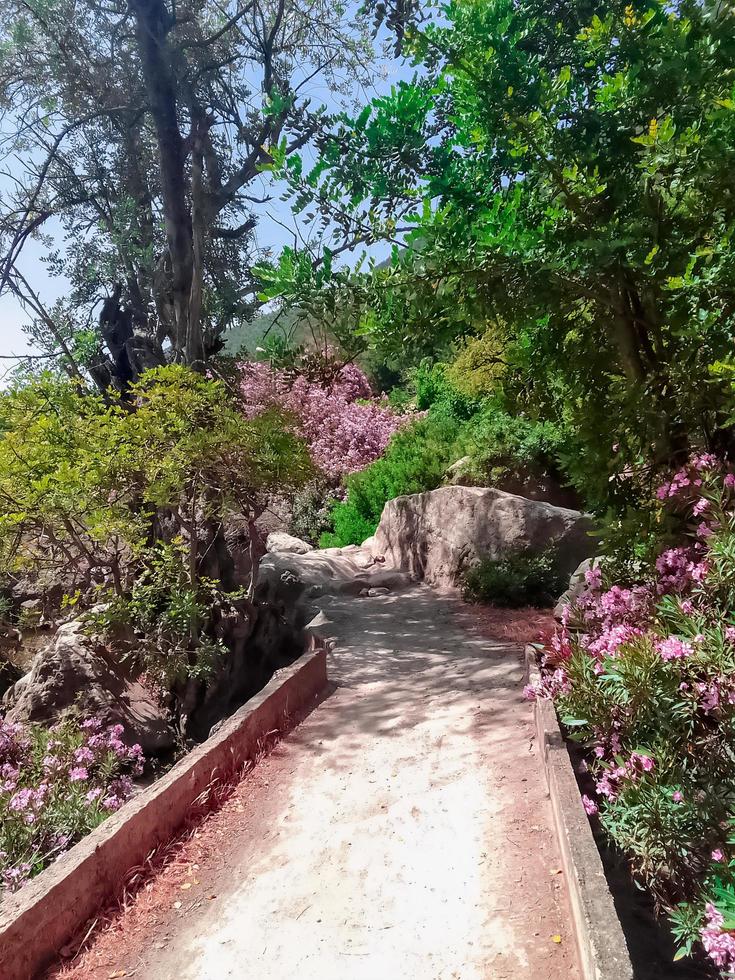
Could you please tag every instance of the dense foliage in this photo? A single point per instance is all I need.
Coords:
(517, 579)
(495, 449)
(574, 164)
(643, 677)
(109, 498)
(57, 785)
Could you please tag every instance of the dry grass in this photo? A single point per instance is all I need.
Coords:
(526, 625)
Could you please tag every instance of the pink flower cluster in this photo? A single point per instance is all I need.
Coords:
(678, 570)
(609, 783)
(344, 425)
(719, 943)
(70, 776)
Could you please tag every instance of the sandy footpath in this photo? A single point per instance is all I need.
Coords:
(402, 831)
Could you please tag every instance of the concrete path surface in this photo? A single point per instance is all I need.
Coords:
(402, 831)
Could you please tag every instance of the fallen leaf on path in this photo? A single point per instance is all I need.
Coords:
(187, 884)
(556, 939)
(554, 871)
(177, 905)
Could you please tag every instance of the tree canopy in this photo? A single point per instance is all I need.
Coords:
(137, 134)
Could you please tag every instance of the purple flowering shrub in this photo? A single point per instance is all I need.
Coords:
(57, 784)
(644, 677)
(345, 426)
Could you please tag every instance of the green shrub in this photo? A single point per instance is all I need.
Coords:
(416, 460)
(521, 578)
(418, 456)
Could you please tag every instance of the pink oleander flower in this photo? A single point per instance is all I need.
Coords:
(609, 640)
(78, 774)
(590, 807)
(674, 648)
(730, 481)
(709, 696)
(593, 577)
(640, 761)
(700, 571)
(700, 506)
(730, 634)
(705, 461)
(719, 944)
(687, 607)
(678, 797)
(717, 855)
(704, 531)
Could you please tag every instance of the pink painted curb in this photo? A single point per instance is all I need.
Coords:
(603, 952)
(37, 921)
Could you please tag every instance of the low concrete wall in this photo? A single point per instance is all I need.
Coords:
(603, 952)
(37, 921)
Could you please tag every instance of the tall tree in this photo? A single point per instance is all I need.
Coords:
(140, 131)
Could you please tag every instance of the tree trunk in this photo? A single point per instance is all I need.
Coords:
(153, 23)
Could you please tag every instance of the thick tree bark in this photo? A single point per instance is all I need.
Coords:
(153, 23)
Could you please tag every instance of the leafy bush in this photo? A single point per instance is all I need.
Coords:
(418, 456)
(415, 461)
(85, 483)
(521, 578)
(644, 676)
(311, 511)
(57, 785)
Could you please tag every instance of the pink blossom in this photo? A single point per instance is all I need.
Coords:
(590, 807)
(700, 506)
(78, 774)
(674, 648)
(638, 760)
(730, 634)
(343, 433)
(709, 696)
(593, 577)
(678, 797)
(719, 944)
(717, 854)
(730, 481)
(687, 607)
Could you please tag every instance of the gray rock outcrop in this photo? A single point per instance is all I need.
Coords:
(437, 536)
(280, 542)
(74, 670)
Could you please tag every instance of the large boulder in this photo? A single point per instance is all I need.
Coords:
(280, 542)
(76, 670)
(437, 536)
(331, 571)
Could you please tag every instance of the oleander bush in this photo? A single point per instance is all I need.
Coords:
(643, 676)
(57, 784)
